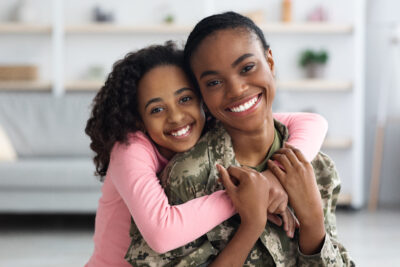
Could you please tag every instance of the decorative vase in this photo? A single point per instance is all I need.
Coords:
(315, 70)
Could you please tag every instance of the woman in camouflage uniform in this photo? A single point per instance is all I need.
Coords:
(232, 65)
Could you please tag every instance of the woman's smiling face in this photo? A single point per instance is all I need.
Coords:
(170, 110)
(235, 76)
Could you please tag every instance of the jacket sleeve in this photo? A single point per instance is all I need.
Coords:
(332, 253)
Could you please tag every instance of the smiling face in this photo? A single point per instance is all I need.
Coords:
(235, 76)
(170, 110)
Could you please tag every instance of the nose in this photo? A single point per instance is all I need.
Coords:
(235, 87)
(175, 115)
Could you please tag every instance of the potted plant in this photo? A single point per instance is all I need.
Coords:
(314, 62)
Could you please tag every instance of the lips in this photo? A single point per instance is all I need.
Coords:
(244, 105)
(182, 131)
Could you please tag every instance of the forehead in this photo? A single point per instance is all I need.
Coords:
(162, 81)
(226, 45)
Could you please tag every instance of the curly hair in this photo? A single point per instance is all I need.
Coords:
(114, 108)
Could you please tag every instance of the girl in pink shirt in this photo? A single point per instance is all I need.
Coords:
(127, 159)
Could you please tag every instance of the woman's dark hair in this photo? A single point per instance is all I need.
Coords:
(114, 108)
(211, 24)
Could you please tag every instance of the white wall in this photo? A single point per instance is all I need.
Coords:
(381, 15)
(82, 51)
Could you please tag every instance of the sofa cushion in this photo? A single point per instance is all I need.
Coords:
(7, 151)
(60, 173)
(40, 124)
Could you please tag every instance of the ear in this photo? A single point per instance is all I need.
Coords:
(270, 60)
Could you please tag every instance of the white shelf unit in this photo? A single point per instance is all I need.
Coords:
(20, 28)
(349, 146)
(25, 86)
(274, 27)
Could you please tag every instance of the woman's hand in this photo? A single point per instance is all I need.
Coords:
(250, 195)
(298, 179)
(278, 200)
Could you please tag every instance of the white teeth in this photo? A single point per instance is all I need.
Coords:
(245, 106)
(181, 132)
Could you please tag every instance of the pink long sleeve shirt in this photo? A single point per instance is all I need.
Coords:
(131, 188)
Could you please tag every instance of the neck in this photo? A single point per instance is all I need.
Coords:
(251, 148)
(166, 153)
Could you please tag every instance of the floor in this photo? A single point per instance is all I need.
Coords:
(373, 239)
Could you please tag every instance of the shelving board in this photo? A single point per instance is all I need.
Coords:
(25, 86)
(83, 85)
(298, 85)
(19, 28)
(307, 27)
(344, 200)
(275, 27)
(314, 85)
(337, 143)
(114, 28)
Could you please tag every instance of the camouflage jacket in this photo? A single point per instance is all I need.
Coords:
(193, 174)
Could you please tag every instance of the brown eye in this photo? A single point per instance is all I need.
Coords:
(185, 99)
(213, 83)
(247, 68)
(156, 110)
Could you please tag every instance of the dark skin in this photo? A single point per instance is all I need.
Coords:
(242, 73)
(297, 177)
(251, 202)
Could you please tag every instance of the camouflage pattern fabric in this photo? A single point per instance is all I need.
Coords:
(193, 174)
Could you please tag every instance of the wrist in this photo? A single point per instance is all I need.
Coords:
(312, 219)
(253, 227)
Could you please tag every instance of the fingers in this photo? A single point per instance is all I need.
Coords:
(278, 172)
(240, 173)
(286, 222)
(297, 152)
(224, 176)
(274, 219)
(287, 158)
(281, 157)
(289, 221)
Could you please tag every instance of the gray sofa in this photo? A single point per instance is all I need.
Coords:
(54, 170)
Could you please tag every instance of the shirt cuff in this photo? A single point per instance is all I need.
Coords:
(326, 257)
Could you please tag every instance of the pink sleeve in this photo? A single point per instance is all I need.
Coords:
(133, 171)
(307, 131)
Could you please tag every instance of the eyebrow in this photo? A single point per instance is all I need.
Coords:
(159, 99)
(240, 59)
(234, 64)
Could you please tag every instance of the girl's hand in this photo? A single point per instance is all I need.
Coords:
(298, 179)
(278, 200)
(250, 196)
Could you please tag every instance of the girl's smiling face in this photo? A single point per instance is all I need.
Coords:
(170, 110)
(235, 76)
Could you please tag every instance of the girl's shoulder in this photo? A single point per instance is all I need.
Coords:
(138, 141)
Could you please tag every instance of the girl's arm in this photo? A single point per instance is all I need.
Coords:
(133, 171)
(307, 131)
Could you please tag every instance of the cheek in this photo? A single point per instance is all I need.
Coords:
(211, 98)
(153, 128)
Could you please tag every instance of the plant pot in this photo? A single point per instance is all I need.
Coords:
(315, 70)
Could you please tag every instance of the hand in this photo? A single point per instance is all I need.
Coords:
(278, 200)
(298, 179)
(290, 222)
(250, 197)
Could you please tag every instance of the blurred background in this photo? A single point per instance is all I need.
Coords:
(338, 58)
